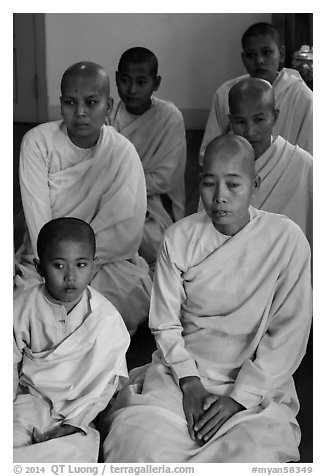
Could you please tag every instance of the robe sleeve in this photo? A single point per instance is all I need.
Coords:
(35, 192)
(284, 342)
(119, 221)
(164, 320)
(167, 164)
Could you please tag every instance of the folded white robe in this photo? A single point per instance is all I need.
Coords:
(159, 138)
(69, 367)
(236, 312)
(104, 186)
(293, 98)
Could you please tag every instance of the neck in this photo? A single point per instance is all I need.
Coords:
(84, 142)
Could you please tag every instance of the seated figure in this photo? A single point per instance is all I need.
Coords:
(83, 168)
(69, 350)
(262, 54)
(231, 313)
(156, 129)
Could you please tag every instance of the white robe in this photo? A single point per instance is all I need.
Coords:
(293, 98)
(104, 186)
(236, 312)
(159, 138)
(67, 367)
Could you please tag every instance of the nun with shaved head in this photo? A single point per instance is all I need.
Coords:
(285, 170)
(230, 312)
(80, 167)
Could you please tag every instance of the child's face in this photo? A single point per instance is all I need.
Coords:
(136, 84)
(254, 120)
(67, 268)
(261, 57)
(84, 106)
(226, 189)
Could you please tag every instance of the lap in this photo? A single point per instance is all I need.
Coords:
(138, 421)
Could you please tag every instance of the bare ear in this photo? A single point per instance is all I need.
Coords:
(109, 103)
(282, 54)
(38, 266)
(157, 82)
(257, 182)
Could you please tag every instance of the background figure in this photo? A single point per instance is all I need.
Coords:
(285, 170)
(156, 129)
(231, 313)
(69, 350)
(80, 167)
(262, 54)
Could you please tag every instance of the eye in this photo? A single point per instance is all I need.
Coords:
(69, 102)
(268, 52)
(58, 265)
(92, 102)
(207, 183)
(81, 265)
(233, 184)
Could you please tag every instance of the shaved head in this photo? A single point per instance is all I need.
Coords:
(231, 145)
(252, 90)
(67, 229)
(138, 55)
(87, 69)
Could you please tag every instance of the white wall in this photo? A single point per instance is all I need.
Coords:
(196, 51)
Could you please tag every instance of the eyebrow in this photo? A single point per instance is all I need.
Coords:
(65, 259)
(234, 174)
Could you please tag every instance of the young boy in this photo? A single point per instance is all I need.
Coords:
(80, 167)
(230, 312)
(156, 129)
(262, 54)
(69, 348)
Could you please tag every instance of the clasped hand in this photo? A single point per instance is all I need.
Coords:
(205, 413)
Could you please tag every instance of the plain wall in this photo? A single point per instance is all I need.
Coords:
(196, 51)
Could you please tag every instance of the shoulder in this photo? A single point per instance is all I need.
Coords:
(116, 140)
(106, 313)
(186, 230)
(100, 303)
(167, 107)
(42, 132)
(300, 155)
(291, 81)
(119, 146)
(283, 231)
(25, 301)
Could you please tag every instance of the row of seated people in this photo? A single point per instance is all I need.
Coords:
(213, 380)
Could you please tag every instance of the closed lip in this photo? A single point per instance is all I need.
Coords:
(70, 288)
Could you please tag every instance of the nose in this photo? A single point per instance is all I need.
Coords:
(70, 275)
(80, 110)
(259, 59)
(220, 194)
(250, 129)
(133, 87)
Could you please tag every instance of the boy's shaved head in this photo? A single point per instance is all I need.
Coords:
(66, 228)
(87, 69)
(261, 29)
(136, 55)
(231, 145)
(251, 89)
